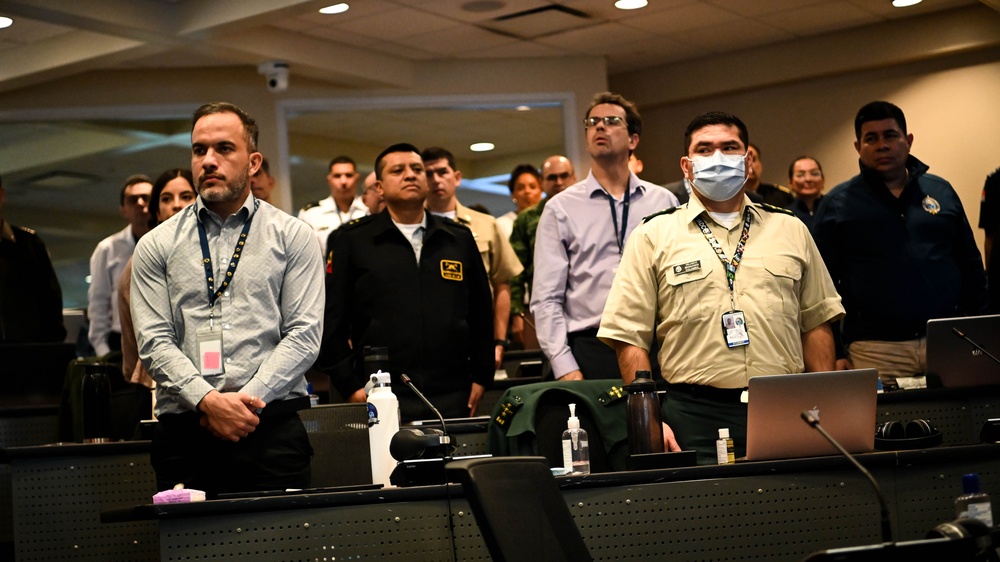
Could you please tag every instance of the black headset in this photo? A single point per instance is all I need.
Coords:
(911, 434)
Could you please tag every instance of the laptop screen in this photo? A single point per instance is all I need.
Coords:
(844, 401)
(955, 360)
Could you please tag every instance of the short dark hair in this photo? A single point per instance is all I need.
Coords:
(522, 169)
(249, 125)
(129, 182)
(632, 117)
(791, 167)
(437, 153)
(877, 111)
(265, 166)
(159, 184)
(715, 118)
(398, 147)
(343, 160)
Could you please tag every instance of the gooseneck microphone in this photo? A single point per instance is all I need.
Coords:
(962, 335)
(445, 439)
(813, 420)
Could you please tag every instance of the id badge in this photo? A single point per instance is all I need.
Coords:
(210, 351)
(734, 327)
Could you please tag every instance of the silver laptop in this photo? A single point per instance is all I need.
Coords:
(844, 400)
(957, 362)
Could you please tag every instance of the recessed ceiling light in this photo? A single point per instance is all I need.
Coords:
(5, 22)
(630, 4)
(523, 108)
(482, 147)
(335, 9)
(905, 3)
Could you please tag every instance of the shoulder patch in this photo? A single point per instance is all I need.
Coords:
(26, 229)
(772, 209)
(787, 190)
(310, 205)
(454, 223)
(666, 211)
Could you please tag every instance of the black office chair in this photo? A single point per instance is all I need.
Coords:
(520, 511)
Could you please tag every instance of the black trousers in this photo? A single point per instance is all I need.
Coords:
(696, 418)
(598, 360)
(276, 456)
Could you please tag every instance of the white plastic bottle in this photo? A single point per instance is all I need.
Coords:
(383, 423)
(576, 449)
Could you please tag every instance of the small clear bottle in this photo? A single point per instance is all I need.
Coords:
(725, 451)
(576, 449)
(974, 504)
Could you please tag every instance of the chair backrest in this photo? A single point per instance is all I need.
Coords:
(520, 511)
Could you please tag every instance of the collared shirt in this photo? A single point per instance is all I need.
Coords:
(672, 286)
(271, 316)
(576, 256)
(106, 265)
(498, 257)
(325, 217)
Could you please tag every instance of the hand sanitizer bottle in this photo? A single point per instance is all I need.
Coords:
(576, 450)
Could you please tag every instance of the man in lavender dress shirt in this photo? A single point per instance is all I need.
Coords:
(579, 243)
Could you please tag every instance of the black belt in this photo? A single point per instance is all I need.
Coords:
(289, 406)
(588, 333)
(706, 392)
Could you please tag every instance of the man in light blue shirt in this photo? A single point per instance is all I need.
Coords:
(579, 243)
(228, 346)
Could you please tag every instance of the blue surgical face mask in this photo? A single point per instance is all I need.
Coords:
(718, 177)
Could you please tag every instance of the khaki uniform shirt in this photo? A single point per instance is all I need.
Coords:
(671, 283)
(499, 258)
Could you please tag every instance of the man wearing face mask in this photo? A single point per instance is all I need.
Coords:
(730, 289)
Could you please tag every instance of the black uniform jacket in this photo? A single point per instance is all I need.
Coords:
(436, 318)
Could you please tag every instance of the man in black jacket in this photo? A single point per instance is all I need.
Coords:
(414, 283)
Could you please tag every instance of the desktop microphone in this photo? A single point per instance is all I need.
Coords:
(444, 438)
(962, 335)
(813, 420)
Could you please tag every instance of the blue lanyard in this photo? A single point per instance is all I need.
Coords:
(619, 236)
(213, 295)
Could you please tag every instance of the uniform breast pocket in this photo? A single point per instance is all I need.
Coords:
(692, 294)
(782, 281)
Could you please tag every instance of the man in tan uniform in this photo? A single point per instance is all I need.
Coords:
(767, 311)
(499, 258)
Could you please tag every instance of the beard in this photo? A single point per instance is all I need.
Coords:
(231, 190)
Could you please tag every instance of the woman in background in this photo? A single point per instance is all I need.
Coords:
(172, 191)
(806, 177)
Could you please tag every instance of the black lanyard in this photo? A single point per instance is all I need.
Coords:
(619, 236)
(206, 255)
(731, 267)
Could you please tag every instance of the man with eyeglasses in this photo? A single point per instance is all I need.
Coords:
(580, 239)
(372, 197)
(109, 260)
(557, 175)
(727, 288)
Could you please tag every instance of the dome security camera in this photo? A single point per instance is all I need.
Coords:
(276, 73)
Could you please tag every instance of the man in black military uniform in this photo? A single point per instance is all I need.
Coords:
(30, 298)
(414, 283)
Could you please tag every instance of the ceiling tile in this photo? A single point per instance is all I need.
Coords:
(683, 18)
(397, 23)
(819, 18)
(456, 40)
(596, 39)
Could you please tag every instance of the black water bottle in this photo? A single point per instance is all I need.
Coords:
(96, 404)
(645, 432)
(376, 359)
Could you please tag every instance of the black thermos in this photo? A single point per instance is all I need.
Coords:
(376, 359)
(96, 404)
(645, 434)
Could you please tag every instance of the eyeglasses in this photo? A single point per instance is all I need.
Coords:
(611, 121)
